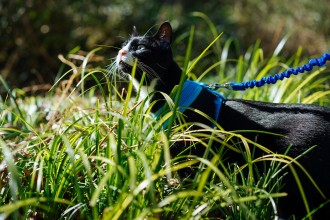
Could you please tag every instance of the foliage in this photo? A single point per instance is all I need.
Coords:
(34, 32)
(95, 153)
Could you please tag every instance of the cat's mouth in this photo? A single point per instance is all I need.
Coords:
(126, 70)
(124, 67)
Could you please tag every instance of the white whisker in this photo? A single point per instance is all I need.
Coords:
(162, 66)
(147, 69)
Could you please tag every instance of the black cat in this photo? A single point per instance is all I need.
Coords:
(301, 126)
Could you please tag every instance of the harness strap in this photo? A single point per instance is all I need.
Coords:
(190, 92)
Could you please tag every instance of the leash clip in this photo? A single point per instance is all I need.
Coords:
(217, 86)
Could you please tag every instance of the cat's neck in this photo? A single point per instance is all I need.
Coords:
(166, 82)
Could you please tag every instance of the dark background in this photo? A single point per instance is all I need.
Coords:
(34, 32)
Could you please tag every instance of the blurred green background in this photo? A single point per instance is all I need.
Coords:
(34, 32)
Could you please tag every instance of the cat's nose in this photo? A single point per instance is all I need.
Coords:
(122, 52)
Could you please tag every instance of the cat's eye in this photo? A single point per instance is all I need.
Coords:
(141, 47)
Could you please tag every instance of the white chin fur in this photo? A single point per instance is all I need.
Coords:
(144, 90)
(128, 59)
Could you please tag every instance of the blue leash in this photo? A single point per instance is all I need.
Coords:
(273, 79)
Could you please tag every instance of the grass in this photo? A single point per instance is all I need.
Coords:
(93, 153)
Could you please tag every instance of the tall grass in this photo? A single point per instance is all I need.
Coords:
(95, 153)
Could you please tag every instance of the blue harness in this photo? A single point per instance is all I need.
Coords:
(190, 92)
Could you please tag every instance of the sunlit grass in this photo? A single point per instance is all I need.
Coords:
(95, 153)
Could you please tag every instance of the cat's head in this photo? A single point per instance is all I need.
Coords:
(153, 55)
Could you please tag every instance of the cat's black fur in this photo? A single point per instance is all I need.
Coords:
(302, 126)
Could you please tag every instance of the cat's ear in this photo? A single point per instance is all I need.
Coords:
(135, 32)
(164, 33)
